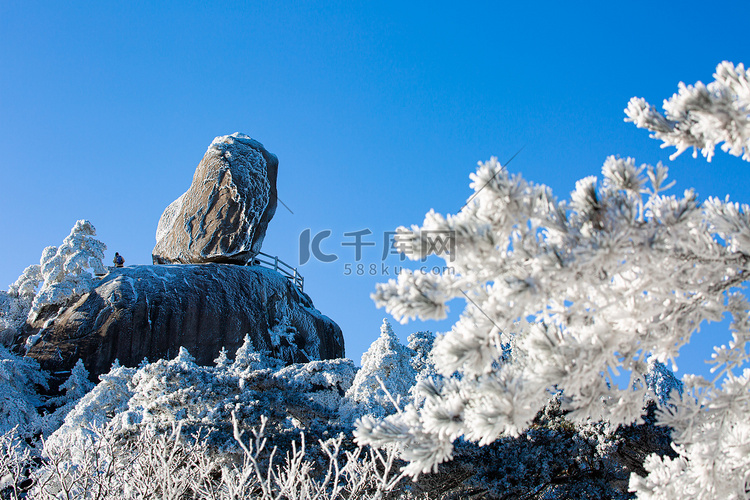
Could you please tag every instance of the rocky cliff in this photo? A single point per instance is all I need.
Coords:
(150, 311)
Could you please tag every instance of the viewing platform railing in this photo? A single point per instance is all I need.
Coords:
(263, 260)
(278, 265)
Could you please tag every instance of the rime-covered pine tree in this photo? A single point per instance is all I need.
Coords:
(421, 343)
(16, 302)
(65, 269)
(389, 361)
(615, 278)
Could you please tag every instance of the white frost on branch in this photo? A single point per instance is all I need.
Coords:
(616, 278)
(702, 116)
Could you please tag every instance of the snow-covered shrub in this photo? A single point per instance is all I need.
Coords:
(247, 359)
(22, 408)
(95, 410)
(296, 398)
(387, 364)
(585, 289)
(73, 390)
(325, 382)
(65, 268)
(188, 421)
(15, 460)
(153, 464)
(171, 465)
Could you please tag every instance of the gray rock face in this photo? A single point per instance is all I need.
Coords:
(150, 311)
(224, 214)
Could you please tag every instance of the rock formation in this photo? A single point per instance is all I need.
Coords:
(223, 215)
(205, 304)
(151, 311)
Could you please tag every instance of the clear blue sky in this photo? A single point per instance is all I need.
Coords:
(378, 111)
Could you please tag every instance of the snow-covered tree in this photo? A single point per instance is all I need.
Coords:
(27, 284)
(604, 283)
(661, 381)
(64, 269)
(248, 359)
(23, 408)
(74, 389)
(421, 343)
(16, 302)
(111, 434)
(109, 398)
(19, 399)
(178, 391)
(13, 313)
(386, 362)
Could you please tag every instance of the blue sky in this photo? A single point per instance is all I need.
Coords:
(378, 111)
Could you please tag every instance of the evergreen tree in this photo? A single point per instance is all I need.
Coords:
(65, 268)
(387, 361)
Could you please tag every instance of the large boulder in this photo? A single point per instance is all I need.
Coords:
(223, 215)
(151, 311)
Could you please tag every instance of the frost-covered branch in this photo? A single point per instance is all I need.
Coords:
(702, 116)
(15, 459)
(614, 279)
(154, 464)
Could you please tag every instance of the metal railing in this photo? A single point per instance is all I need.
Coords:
(263, 260)
(278, 265)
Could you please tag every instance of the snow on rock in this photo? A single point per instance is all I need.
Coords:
(151, 311)
(223, 215)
